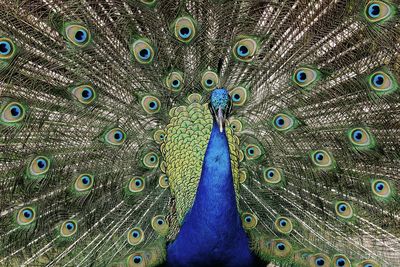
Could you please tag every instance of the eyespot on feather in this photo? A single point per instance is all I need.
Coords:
(174, 81)
(160, 225)
(7, 48)
(12, 112)
(84, 182)
(151, 160)
(272, 175)
(68, 228)
(378, 11)
(281, 248)
(304, 76)
(38, 167)
(344, 210)
(136, 184)
(340, 260)
(209, 80)
(26, 216)
(238, 96)
(77, 35)
(184, 29)
(319, 260)
(163, 181)
(84, 94)
(244, 49)
(151, 104)
(249, 220)
(283, 225)
(115, 136)
(135, 236)
(142, 51)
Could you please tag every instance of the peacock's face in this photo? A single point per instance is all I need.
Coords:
(220, 106)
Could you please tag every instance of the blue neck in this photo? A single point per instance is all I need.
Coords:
(212, 232)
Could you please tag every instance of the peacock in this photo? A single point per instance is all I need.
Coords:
(200, 133)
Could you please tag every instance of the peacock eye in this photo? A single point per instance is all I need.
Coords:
(142, 51)
(341, 261)
(13, 112)
(236, 125)
(382, 83)
(321, 158)
(77, 35)
(84, 182)
(174, 81)
(344, 210)
(377, 11)
(151, 104)
(159, 136)
(381, 188)
(320, 262)
(245, 49)
(151, 160)
(283, 225)
(253, 152)
(163, 181)
(136, 184)
(368, 263)
(304, 77)
(39, 166)
(249, 220)
(361, 138)
(281, 247)
(115, 136)
(85, 94)
(26, 216)
(239, 96)
(135, 236)
(68, 228)
(209, 80)
(184, 29)
(272, 175)
(137, 259)
(160, 225)
(283, 122)
(7, 48)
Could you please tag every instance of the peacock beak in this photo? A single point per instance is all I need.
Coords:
(220, 119)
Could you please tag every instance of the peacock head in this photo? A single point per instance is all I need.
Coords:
(220, 106)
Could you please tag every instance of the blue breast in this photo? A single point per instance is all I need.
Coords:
(212, 233)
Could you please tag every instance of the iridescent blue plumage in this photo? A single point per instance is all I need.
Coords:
(212, 232)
